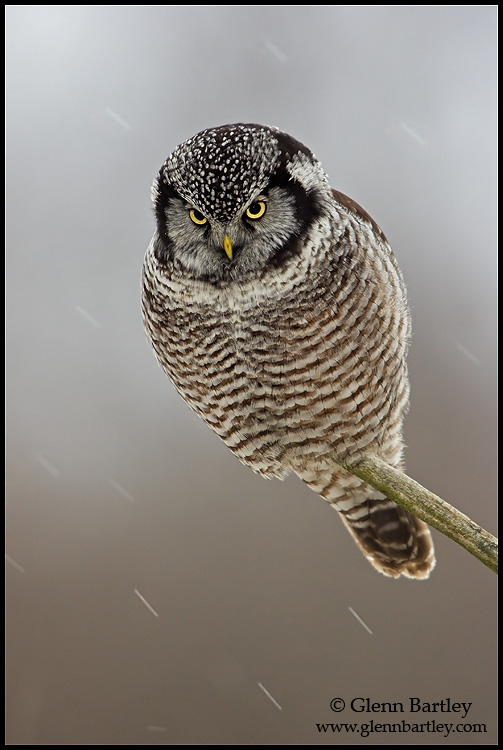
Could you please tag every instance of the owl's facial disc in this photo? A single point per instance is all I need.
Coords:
(263, 235)
(236, 201)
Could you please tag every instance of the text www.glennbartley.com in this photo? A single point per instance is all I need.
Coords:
(365, 729)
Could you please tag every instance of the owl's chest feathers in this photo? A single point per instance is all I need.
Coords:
(269, 363)
(252, 326)
(274, 345)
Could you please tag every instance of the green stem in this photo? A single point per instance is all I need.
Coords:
(422, 503)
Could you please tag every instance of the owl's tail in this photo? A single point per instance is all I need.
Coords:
(392, 539)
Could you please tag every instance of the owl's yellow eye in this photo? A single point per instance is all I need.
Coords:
(197, 217)
(256, 210)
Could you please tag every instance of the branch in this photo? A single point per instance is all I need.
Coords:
(422, 503)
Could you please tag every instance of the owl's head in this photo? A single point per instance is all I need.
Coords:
(236, 201)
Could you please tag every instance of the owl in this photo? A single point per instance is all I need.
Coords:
(277, 309)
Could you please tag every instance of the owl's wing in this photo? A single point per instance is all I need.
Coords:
(356, 209)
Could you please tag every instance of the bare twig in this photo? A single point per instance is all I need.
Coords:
(422, 503)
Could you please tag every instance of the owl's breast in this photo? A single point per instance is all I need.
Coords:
(278, 376)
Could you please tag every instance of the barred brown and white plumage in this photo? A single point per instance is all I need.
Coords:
(277, 309)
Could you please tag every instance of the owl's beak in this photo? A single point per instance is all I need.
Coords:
(228, 246)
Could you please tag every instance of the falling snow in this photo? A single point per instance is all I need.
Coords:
(360, 620)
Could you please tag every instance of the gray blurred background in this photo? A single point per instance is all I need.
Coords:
(158, 592)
